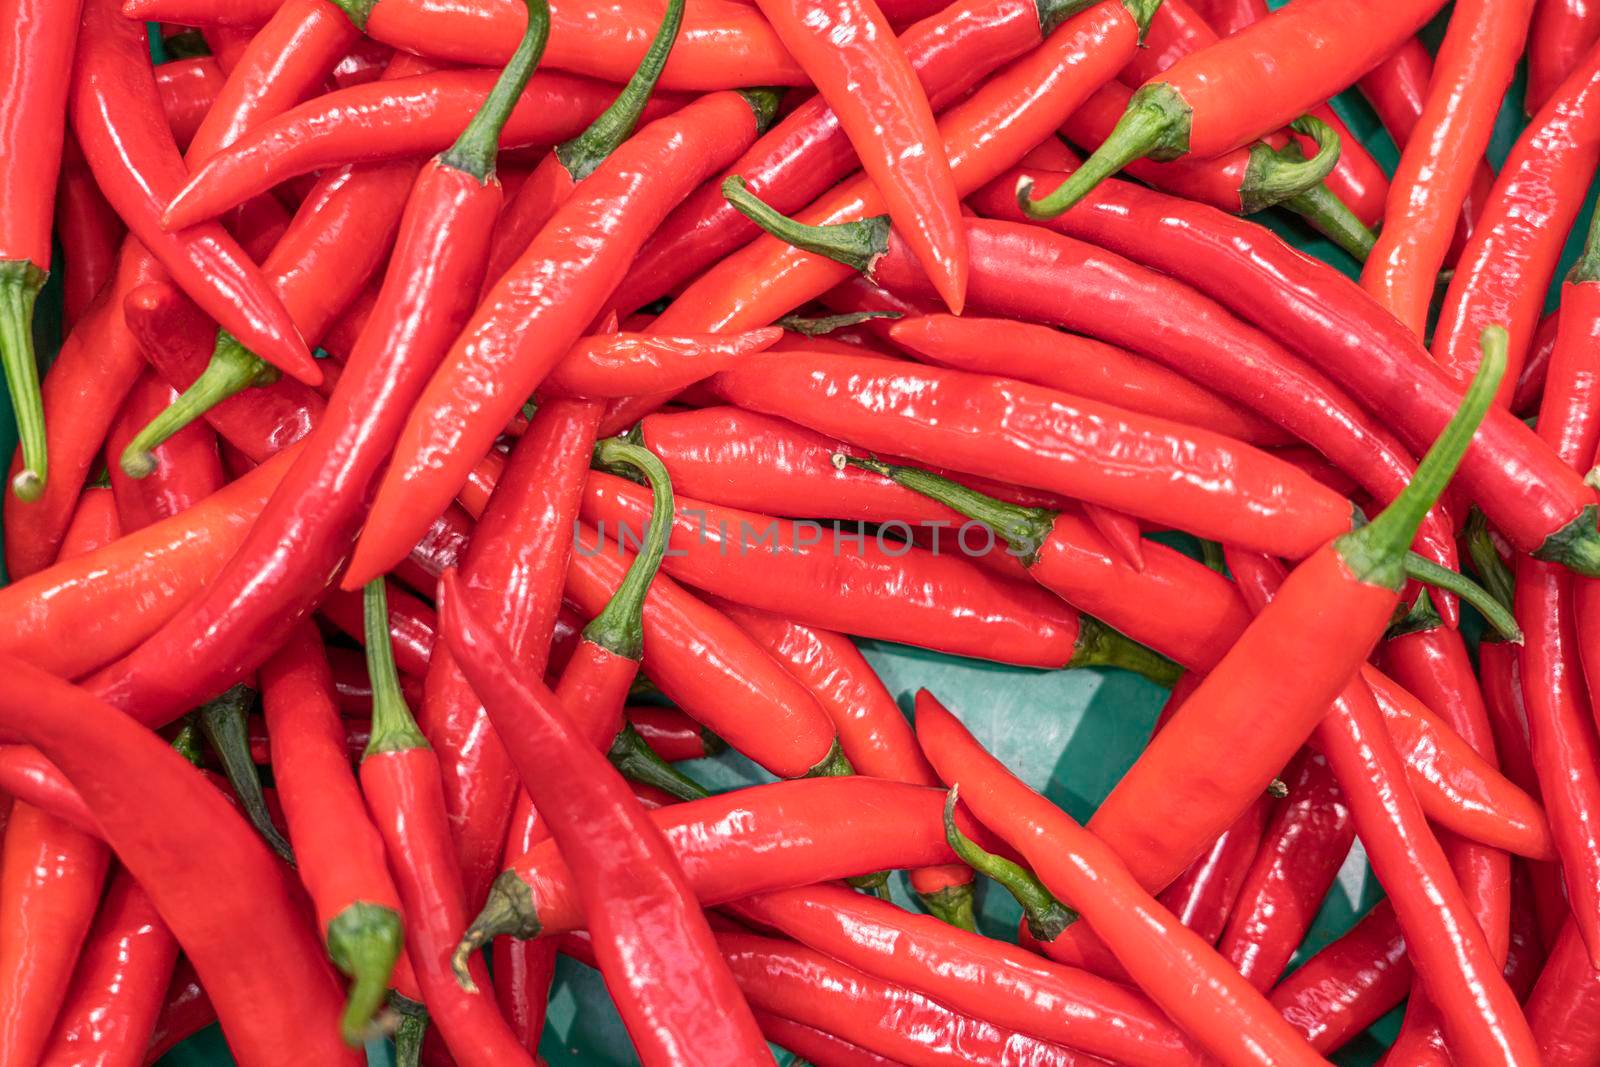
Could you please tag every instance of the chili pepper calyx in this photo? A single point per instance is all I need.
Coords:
(1426, 571)
(952, 905)
(1273, 176)
(763, 103)
(232, 370)
(1025, 530)
(1098, 645)
(358, 11)
(225, 724)
(509, 912)
(1047, 917)
(1417, 617)
(408, 1036)
(475, 150)
(857, 245)
(20, 282)
(822, 325)
(1156, 124)
(1492, 570)
(1376, 553)
(589, 149)
(186, 742)
(637, 761)
(1277, 789)
(619, 628)
(1576, 546)
(364, 941)
(833, 765)
(393, 728)
(1053, 13)
(1143, 12)
(876, 883)
(1587, 268)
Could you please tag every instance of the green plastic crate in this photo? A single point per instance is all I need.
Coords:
(1070, 734)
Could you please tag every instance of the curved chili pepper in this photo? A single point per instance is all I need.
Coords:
(1203, 896)
(637, 903)
(1078, 365)
(28, 778)
(1303, 845)
(710, 668)
(1350, 984)
(1230, 1020)
(806, 152)
(970, 973)
(185, 1012)
(281, 572)
(188, 467)
(1563, 30)
(1508, 263)
(817, 1046)
(38, 58)
(400, 780)
(265, 972)
(117, 991)
(1474, 67)
(941, 416)
(188, 88)
(532, 316)
(1531, 495)
(1232, 92)
(89, 231)
(381, 121)
(338, 851)
(116, 115)
(774, 836)
(945, 602)
(627, 364)
(560, 171)
(1561, 1008)
(676, 737)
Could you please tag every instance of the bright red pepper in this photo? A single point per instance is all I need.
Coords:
(186, 1011)
(817, 1046)
(188, 466)
(1563, 30)
(676, 737)
(627, 364)
(1561, 1008)
(28, 778)
(89, 231)
(188, 88)
(1350, 984)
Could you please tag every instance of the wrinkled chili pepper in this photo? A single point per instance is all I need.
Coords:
(627, 364)
(1350, 984)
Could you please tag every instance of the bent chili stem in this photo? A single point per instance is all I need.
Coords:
(223, 721)
(232, 370)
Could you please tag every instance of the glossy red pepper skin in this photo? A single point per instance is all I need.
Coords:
(817, 1046)
(1561, 1008)
(709, 667)
(29, 778)
(38, 57)
(186, 1011)
(1203, 896)
(1507, 265)
(943, 601)
(1303, 845)
(1563, 30)
(261, 964)
(188, 88)
(674, 736)
(1047, 439)
(1350, 984)
(807, 152)
(116, 115)
(188, 465)
(1230, 1020)
(514, 569)
(120, 984)
(1082, 366)
(638, 905)
(627, 364)
(531, 317)
(1314, 310)
(90, 232)
(413, 626)
(115, 597)
(382, 121)
(969, 973)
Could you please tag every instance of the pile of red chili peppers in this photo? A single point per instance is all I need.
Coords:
(470, 414)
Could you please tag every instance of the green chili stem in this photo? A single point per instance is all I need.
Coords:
(225, 723)
(589, 149)
(475, 150)
(509, 912)
(393, 728)
(833, 765)
(1047, 916)
(638, 762)
(20, 282)
(1099, 645)
(364, 942)
(855, 244)
(619, 628)
(952, 905)
(1587, 268)
(1156, 124)
(1274, 176)
(1332, 217)
(821, 325)
(232, 370)
(1494, 613)
(1376, 553)
(1492, 570)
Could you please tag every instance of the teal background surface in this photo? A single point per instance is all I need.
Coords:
(1070, 734)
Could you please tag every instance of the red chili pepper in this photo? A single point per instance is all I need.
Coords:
(820, 578)
(993, 427)
(1175, 968)
(1236, 90)
(189, 89)
(1350, 984)
(1303, 845)
(676, 737)
(188, 467)
(120, 984)
(356, 734)
(627, 364)
(291, 552)
(1203, 896)
(807, 152)
(523, 326)
(381, 121)
(1563, 30)
(1561, 1008)
(816, 1046)
(38, 56)
(1508, 263)
(637, 904)
(413, 627)
(28, 778)
(263, 968)
(987, 979)
(338, 851)
(116, 115)
(186, 1011)
(90, 232)
(1533, 497)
